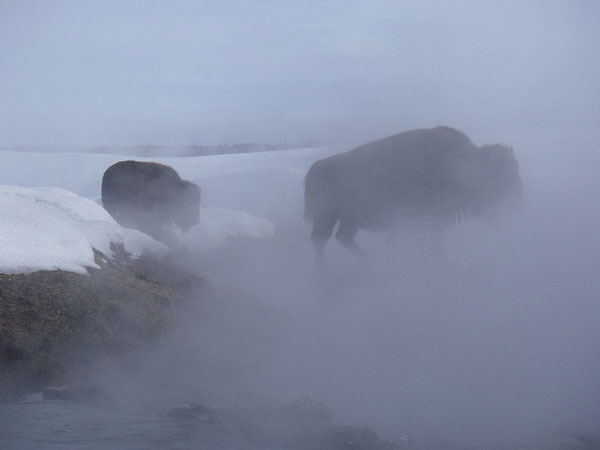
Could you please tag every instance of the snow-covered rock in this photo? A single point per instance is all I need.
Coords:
(47, 228)
(219, 224)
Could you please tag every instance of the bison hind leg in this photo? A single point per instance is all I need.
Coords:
(345, 235)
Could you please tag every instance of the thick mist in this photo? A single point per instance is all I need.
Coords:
(493, 341)
(344, 72)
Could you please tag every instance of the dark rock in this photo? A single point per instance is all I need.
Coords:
(304, 409)
(230, 422)
(307, 424)
(54, 324)
(299, 425)
(352, 438)
(201, 413)
(337, 437)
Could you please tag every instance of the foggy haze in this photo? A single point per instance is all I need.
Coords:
(494, 341)
(340, 72)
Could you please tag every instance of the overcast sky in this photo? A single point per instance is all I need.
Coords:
(209, 72)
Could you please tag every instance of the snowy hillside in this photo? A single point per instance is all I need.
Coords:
(82, 173)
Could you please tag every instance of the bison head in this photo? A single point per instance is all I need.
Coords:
(500, 188)
(187, 206)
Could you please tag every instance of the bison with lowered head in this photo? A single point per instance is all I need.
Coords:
(148, 195)
(431, 177)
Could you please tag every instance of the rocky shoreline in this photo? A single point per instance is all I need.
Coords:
(54, 323)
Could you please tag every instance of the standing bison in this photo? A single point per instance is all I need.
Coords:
(432, 177)
(147, 196)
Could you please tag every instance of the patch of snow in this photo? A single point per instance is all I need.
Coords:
(219, 224)
(48, 228)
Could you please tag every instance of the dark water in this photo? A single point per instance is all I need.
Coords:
(38, 424)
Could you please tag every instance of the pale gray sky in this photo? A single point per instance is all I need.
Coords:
(206, 72)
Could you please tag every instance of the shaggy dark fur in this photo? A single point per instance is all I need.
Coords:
(147, 196)
(429, 176)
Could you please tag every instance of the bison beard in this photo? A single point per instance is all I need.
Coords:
(148, 196)
(433, 177)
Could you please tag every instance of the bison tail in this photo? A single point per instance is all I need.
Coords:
(318, 185)
(308, 210)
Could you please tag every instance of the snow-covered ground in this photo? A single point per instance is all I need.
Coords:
(82, 173)
(51, 214)
(52, 228)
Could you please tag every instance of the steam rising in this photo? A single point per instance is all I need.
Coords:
(491, 342)
(494, 341)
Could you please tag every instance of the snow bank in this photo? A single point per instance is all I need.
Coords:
(219, 224)
(47, 228)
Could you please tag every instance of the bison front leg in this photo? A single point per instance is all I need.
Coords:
(321, 232)
(345, 235)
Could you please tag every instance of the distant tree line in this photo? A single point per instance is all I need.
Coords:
(152, 150)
